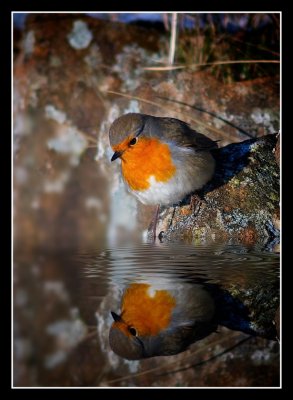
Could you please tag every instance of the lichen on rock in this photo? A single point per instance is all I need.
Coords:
(80, 36)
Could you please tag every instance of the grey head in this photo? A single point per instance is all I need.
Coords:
(168, 342)
(126, 125)
(129, 347)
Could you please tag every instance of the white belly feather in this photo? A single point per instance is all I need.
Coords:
(193, 171)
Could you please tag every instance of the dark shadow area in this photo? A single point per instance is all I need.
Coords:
(230, 161)
(155, 25)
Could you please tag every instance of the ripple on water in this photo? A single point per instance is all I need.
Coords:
(121, 265)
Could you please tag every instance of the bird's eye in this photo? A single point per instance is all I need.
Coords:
(133, 331)
(133, 141)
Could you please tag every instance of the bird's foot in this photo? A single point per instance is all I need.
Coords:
(161, 236)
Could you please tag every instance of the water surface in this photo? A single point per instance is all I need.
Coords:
(62, 305)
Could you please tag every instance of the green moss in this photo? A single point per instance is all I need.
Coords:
(274, 196)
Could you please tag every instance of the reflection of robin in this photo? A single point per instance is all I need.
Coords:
(162, 159)
(159, 322)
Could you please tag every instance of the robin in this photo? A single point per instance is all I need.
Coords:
(158, 321)
(162, 159)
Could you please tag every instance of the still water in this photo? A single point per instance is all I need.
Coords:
(222, 306)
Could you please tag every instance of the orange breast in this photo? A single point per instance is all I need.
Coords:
(149, 157)
(149, 315)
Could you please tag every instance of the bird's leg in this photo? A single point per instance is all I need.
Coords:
(155, 221)
(173, 215)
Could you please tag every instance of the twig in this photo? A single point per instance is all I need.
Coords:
(173, 38)
(209, 359)
(209, 113)
(170, 68)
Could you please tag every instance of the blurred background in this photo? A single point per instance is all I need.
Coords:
(73, 74)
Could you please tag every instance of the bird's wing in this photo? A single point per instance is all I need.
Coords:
(181, 133)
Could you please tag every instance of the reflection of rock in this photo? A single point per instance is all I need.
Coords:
(242, 200)
(250, 309)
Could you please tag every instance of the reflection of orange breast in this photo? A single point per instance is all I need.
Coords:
(149, 157)
(148, 314)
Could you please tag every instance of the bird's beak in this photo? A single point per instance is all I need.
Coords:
(116, 155)
(116, 317)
